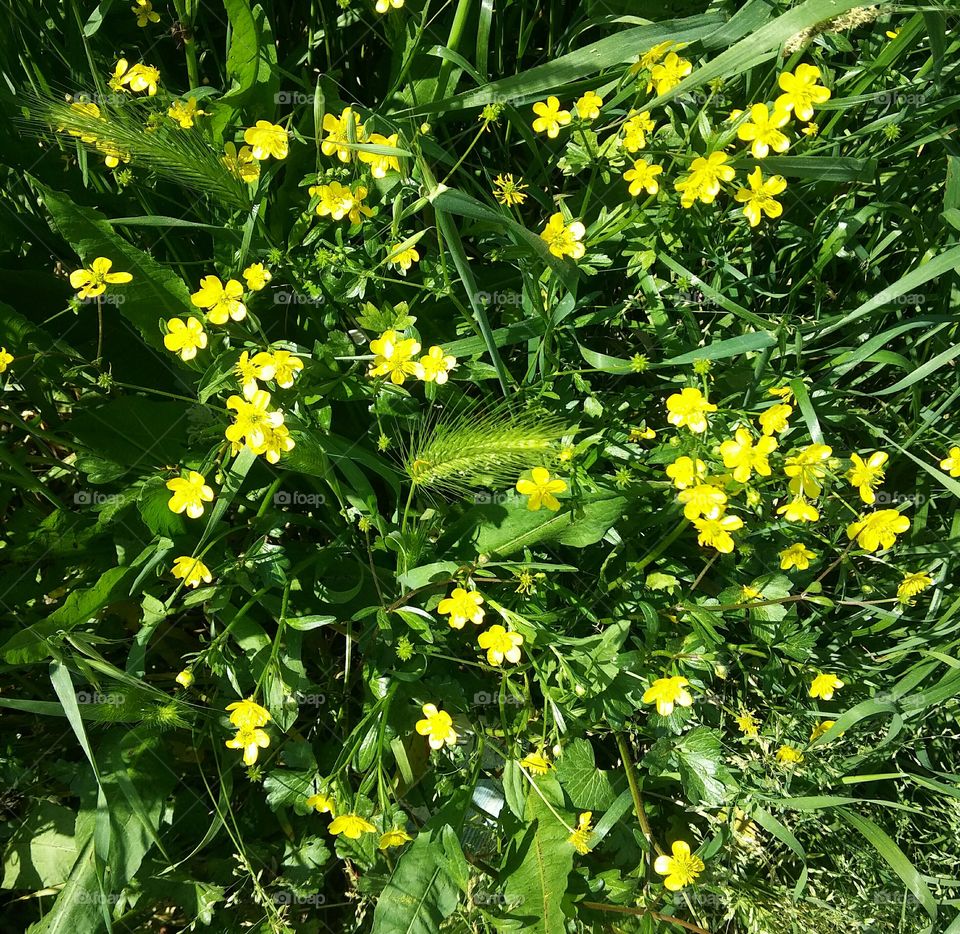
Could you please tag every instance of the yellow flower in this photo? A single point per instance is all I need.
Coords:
(642, 434)
(759, 198)
(892, 33)
(763, 129)
(185, 338)
(787, 755)
(145, 13)
(285, 367)
(564, 239)
(799, 510)
(681, 868)
(911, 585)
(384, 6)
(796, 556)
(185, 112)
(688, 408)
(811, 129)
(460, 606)
(580, 838)
(437, 726)
(142, 78)
(685, 471)
(540, 489)
(666, 692)
(393, 357)
(222, 301)
(93, 281)
(636, 128)
(276, 441)
(322, 804)
(252, 420)
(668, 73)
(338, 134)
(784, 393)
(435, 366)
(715, 532)
(747, 724)
(801, 91)
(507, 191)
(247, 714)
(381, 163)
(703, 181)
(241, 163)
(878, 530)
(189, 494)
(267, 139)
(86, 109)
(402, 256)
(702, 499)
(338, 201)
(397, 836)
(351, 825)
(256, 276)
(652, 56)
(775, 419)
(821, 728)
(806, 469)
(643, 177)
(116, 82)
(250, 370)
(112, 154)
(748, 593)
(251, 742)
(185, 678)
(550, 117)
(745, 457)
(823, 686)
(192, 571)
(588, 106)
(500, 645)
(865, 475)
(536, 762)
(952, 462)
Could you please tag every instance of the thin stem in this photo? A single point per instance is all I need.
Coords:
(631, 773)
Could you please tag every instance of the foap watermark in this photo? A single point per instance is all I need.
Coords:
(485, 698)
(107, 298)
(95, 498)
(888, 297)
(886, 498)
(296, 298)
(96, 697)
(310, 700)
(898, 100)
(503, 298)
(490, 496)
(293, 98)
(296, 498)
(292, 898)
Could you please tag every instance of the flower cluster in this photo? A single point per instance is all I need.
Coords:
(394, 357)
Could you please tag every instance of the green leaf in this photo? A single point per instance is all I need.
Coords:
(42, 850)
(588, 787)
(251, 60)
(705, 778)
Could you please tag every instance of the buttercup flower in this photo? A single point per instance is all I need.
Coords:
(774, 420)
(588, 106)
(247, 714)
(276, 441)
(393, 357)
(500, 645)
(652, 56)
(435, 366)
(267, 139)
(322, 804)
(635, 130)
(143, 78)
(402, 256)
(185, 338)
(94, 281)
(397, 836)
(5, 359)
(338, 201)
(185, 678)
(668, 73)
(580, 838)
(685, 471)
(536, 762)
(252, 419)
(338, 134)
(745, 457)
(759, 198)
(507, 191)
(866, 474)
(189, 494)
(241, 163)
(564, 239)
(667, 692)
(806, 469)
(787, 755)
(796, 556)
(688, 409)
(540, 489)
(681, 868)
(437, 725)
(763, 130)
(643, 177)
(192, 571)
(550, 117)
(911, 585)
(384, 6)
(952, 462)
(256, 275)
(702, 499)
(381, 163)
(116, 82)
(823, 686)
(185, 112)
(878, 530)
(799, 510)
(801, 91)
(351, 825)
(821, 728)
(112, 154)
(249, 370)
(715, 532)
(145, 13)
(222, 301)
(704, 178)
(811, 129)
(251, 742)
(460, 606)
(285, 367)
(747, 724)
